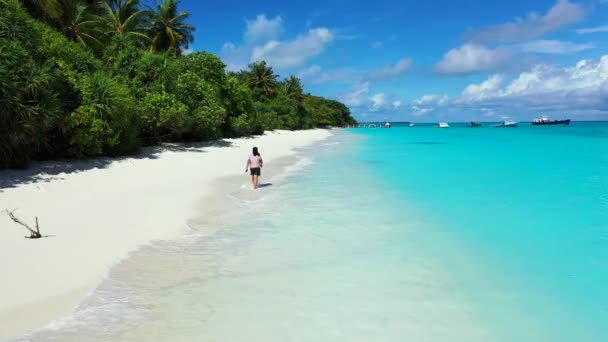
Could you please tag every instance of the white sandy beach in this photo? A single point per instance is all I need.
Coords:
(98, 211)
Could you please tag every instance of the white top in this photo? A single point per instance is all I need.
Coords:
(255, 161)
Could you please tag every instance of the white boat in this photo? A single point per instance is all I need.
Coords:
(411, 124)
(442, 125)
(507, 123)
(387, 125)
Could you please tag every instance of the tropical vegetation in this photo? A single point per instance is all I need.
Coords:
(85, 78)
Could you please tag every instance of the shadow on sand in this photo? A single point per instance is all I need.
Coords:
(264, 185)
(47, 171)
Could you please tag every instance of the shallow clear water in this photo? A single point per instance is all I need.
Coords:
(417, 234)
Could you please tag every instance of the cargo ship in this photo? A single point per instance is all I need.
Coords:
(544, 120)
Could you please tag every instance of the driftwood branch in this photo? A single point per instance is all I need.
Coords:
(34, 234)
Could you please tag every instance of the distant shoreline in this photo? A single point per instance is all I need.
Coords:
(458, 122)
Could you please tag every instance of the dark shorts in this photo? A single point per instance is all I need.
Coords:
(255, 171)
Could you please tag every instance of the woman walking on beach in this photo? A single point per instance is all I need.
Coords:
(255, 163)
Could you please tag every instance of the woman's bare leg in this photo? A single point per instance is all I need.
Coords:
(255, 182)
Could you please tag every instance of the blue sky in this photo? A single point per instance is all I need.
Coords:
(424, 61)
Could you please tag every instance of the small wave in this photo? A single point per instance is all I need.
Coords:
(298, 166)
(245, 196)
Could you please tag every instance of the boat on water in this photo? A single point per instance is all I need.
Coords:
(507, 123)
(442, 125)
(387, 125)
(544, 120)
(411, 124)
(474, 124)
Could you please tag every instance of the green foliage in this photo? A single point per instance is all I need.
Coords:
(106, 121)
(267, 116)
(326, 112)
(28, 105)
(120, 56)
(287, 111)
(262, 81)
(50, 9)
(206, 111)
(164, 118)
(293, 88)
(70, 58)
(156, 72)
(14, 24)
(306, 121)
(240, 108)
(207, 66)
(340, 113)
(69, 62)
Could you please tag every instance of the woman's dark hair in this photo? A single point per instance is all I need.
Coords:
(255, 152)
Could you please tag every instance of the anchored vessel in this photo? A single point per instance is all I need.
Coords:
(387, 125)
(544, 120)
(507, 123)
(474, 124)
(442, 125)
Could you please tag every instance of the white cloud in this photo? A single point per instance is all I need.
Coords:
(484, 89)
(378, 101)
(309, 72)
(563, 13)
(235, 57)
(418, 110)
(587, 76)
(471, 58)
(554, 46)
(262, 28)
(360, 98)
(583, 87)
(261, 41)
(428, 103)
(588, 30)
(431, 99)
(356, 96)
(285, 54)
(384, 103)
(391, 71)
(579, 91)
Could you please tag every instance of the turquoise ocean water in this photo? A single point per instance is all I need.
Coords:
(401, 234)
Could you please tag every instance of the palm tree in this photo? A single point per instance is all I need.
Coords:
(293, 89)
(123, 17)
(79, 24)
(262, 78)
(49, 9)
(169, 30)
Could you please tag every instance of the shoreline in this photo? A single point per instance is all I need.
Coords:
(101, 210)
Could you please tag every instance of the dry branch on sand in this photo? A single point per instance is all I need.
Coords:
(34, 234)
